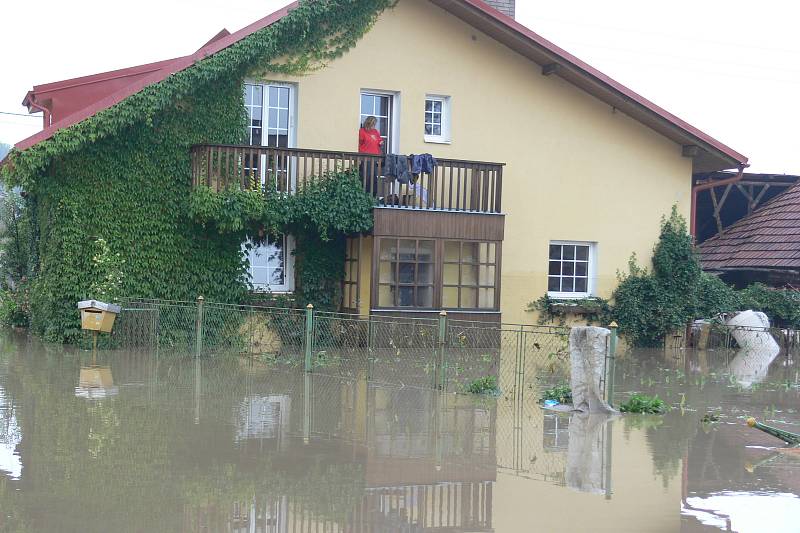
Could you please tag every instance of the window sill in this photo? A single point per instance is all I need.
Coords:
(570, 295)
(437, 140)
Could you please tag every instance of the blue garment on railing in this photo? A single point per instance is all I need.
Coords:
(422, 164)
(396, 166)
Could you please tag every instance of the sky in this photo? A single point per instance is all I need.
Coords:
(728, 67)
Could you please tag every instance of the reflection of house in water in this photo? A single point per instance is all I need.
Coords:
(426, 460)
(10, 437)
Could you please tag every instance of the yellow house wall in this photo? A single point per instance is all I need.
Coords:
(576, 169)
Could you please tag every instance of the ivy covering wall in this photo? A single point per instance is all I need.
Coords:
(118, 183)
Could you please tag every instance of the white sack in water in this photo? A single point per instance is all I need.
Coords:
(751, 331)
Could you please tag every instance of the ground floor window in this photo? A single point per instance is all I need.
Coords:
(571, 267)
(469, 276)
(406, 273)
(271, 263)
(436, 273)
(351, 277)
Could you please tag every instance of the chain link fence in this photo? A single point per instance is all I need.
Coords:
(710, 335)
(436, 353)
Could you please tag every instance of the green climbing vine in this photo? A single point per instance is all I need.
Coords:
(122, 178)
(319, 217)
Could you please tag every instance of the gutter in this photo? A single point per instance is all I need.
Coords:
(706, 186)
(46, 117)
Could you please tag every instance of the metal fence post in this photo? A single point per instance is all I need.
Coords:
(309, 341)
(198, 348)
(441, 377)
(610, 363)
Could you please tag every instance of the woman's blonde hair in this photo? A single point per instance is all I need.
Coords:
(369, 123)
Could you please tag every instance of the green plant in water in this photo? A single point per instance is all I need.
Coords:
(484, 385)
(560, 393)
(644, 404)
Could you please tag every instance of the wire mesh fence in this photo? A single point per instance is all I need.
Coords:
(710, 335)
(403, 351)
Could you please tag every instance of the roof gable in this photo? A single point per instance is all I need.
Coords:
(711, 155)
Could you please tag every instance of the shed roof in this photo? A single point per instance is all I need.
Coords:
(713, 155)
(768, 238)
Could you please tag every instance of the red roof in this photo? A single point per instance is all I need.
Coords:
(767, 238)
(716, 155)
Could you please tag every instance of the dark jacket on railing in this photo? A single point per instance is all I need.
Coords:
(422, 164)
(396, 166)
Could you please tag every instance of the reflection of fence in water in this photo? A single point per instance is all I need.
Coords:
(420, 352)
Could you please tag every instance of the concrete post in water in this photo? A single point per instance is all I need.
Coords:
(198, 348)
(611, 361)
(587, 350)
(309, 339)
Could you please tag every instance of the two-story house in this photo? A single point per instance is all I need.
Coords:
(549, 173)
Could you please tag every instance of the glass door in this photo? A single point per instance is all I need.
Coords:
(380, 106)
(270, 109)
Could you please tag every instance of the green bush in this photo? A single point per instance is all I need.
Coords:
(560, 393)
(484, 385)
(644, 404)
(781, 306)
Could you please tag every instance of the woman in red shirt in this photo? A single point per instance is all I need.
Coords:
(370, 142)
(369, 139)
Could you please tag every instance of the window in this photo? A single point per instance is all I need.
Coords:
(271, 264)
(469, 275)
(570, 269)
(406, 273)
(437, 119)
(381, 107)
(351, 279)
(270, 112)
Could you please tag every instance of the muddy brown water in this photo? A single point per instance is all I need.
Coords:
(140, 442)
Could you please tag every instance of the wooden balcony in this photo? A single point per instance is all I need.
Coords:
(454, 185)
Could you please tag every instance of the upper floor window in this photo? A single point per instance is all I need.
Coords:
(270, 110)
(381, 106)
(571, 267)
(437, 119)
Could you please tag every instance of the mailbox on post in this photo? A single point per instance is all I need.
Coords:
(98, 316)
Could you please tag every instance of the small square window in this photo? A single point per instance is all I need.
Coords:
(437, 119)
(570, 267)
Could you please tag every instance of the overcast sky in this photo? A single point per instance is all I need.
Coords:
(729, 67)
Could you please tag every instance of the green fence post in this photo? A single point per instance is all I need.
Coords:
(198, 348)
(309, 343)
(442, 342)
(610, 363)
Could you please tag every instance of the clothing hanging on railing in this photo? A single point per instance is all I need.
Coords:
(396, 166)
(422, 164)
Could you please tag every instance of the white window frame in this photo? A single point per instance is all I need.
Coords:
(288, 285)
(394, 116)
(591, 271)
(444, 138)
(291, 140)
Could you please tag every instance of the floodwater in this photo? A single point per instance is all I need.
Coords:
(139, 442)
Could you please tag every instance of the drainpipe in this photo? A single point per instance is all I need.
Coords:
(706, 186)
(46, 116)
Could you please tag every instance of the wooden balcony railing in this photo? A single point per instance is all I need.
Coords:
(453, 185)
